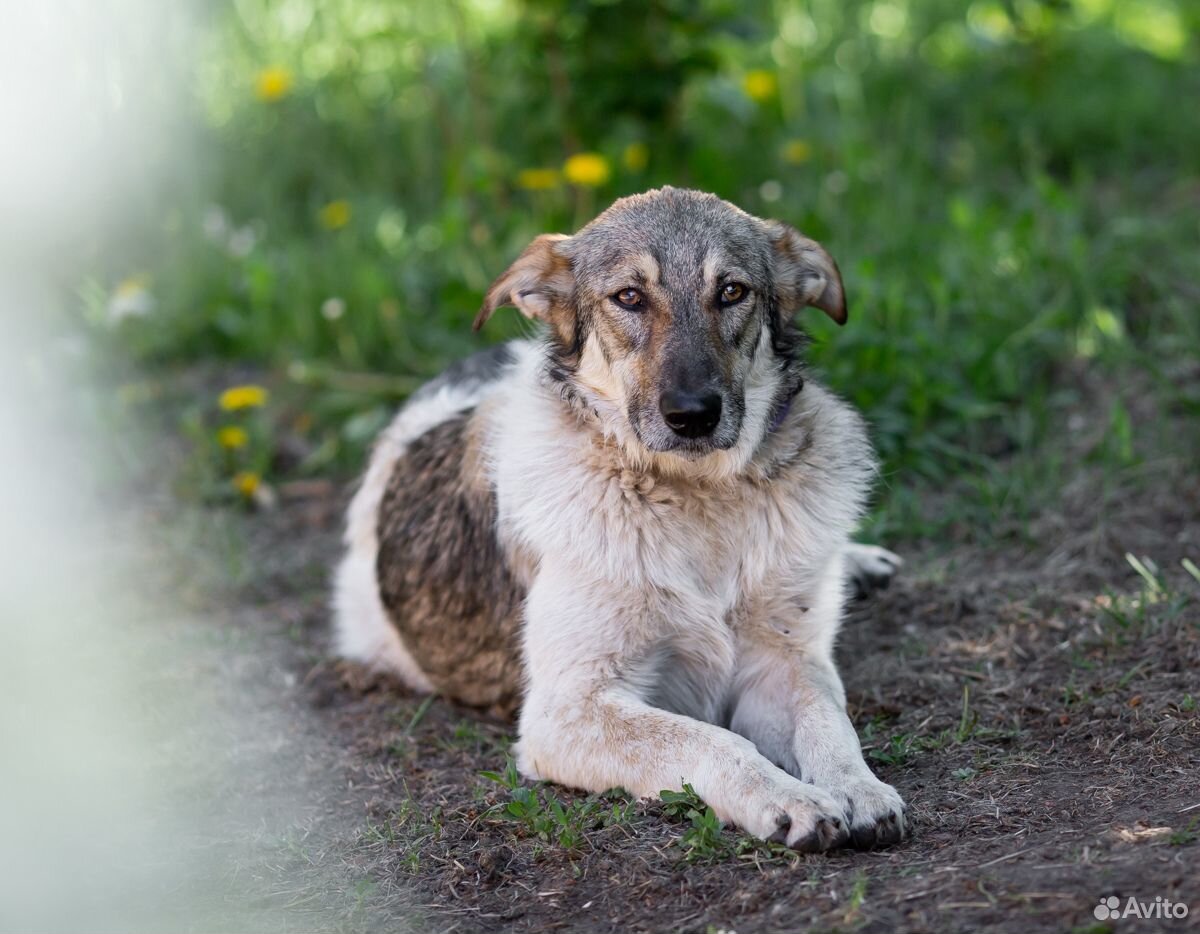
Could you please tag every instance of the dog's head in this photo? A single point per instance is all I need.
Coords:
(673, 311)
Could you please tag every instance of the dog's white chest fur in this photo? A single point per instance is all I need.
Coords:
(695, 562)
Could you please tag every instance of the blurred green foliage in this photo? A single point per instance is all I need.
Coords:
(1010, 187)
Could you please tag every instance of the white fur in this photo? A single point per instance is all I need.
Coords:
(871, 561)
(668, 597)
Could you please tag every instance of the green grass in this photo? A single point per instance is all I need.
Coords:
(469, 735)
(404, 831)
(1186, 835)
(1008, 197)
(705, 838)
(538, 812)
(1158, 602)
(901, 747)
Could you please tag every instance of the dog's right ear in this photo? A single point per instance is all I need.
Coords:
(536, 283)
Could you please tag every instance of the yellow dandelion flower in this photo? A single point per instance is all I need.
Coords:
(635, 156)
(232, 437)
(538, 179)
(335, 215)
(797, 151)
(588, 169)
(246, 482)
(273, 83)
(760, 85)
(242, 397)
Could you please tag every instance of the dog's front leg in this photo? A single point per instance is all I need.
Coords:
(789, 701)
(585, 723)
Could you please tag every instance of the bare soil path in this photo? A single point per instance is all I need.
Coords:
(1036, 704)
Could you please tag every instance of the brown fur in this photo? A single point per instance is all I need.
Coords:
(442, 573)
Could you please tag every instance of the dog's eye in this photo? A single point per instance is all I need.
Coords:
(629, 298)
(732, 293)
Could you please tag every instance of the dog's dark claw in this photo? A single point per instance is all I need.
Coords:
(828, 833)
(840, 832)
(810, 843)
(863, 837)
(888, 830)
(781, 832)
(866, 584)
(884, 832)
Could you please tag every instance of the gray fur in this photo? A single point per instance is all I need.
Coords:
(470, 373)
(679, 248)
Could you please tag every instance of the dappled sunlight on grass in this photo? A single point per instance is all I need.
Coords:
(996, 181)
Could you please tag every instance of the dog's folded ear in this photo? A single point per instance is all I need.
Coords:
(805, 274)
(539, 280)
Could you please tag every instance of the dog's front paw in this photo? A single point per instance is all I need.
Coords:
(870, 568)
(875, 811)
(774, 806)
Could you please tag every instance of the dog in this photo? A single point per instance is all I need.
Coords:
(635, 529)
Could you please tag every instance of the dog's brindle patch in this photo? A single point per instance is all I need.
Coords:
(442, 574)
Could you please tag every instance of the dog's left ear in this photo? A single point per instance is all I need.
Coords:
(540, 280)
(805, 274)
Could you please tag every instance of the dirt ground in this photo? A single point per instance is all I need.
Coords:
(1033, 699)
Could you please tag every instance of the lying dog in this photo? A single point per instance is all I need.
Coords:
(636, 528)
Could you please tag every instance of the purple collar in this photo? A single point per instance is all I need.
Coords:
(782, 412)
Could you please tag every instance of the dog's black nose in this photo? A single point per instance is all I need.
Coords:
(691, 415)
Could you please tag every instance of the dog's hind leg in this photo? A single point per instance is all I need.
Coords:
(869, 568)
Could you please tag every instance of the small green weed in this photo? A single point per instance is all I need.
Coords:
(1155, 603)
(541, 814)
(707, 841)
(400, 746)
(855, 900)
(1185, 836)
(703, 841)
(968, 719)
(901, 747)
